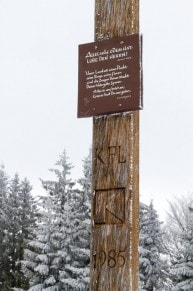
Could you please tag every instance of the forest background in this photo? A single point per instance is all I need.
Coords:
(45, 240)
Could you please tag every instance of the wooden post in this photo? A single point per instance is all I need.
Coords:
(115, 201)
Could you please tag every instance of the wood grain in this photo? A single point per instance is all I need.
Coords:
(115, 201)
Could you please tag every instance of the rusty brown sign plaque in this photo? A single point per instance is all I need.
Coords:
(110, 76)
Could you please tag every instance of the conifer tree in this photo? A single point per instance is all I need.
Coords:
(76, 273)
(58, 257)
(13, 208)
(40, 259)
(15, 225)
(180, 243)
(28, 217)
(4, 184)
(182, 270)
(48, 252)
(22, 221)
(151, 266)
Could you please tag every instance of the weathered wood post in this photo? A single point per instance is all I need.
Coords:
(115, 201)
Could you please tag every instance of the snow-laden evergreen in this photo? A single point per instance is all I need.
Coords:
(180, 226)
(152, 268)
(28, 216)
(46, 256)
(22, 220)
(40, 265)
(4, 184)
(58, 257)
(182, 271)
(76, 274)
(17, 219)
(13, 233)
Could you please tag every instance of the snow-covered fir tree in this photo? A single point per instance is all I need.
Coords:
(180, 243)
(76, 274)
(40, 263)
(16, 212)
(152, 268)
(182, 271)
(47, 254)
(4, 223)
(58, 257)
(22, 220)
(28, 217)
(13, 208)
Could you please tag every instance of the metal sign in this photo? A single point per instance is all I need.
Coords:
(110, 76)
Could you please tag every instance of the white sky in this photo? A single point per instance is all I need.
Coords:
(38, 91)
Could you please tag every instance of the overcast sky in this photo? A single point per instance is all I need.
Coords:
(38, 91)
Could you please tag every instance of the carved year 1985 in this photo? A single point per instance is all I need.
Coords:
(112, 258)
